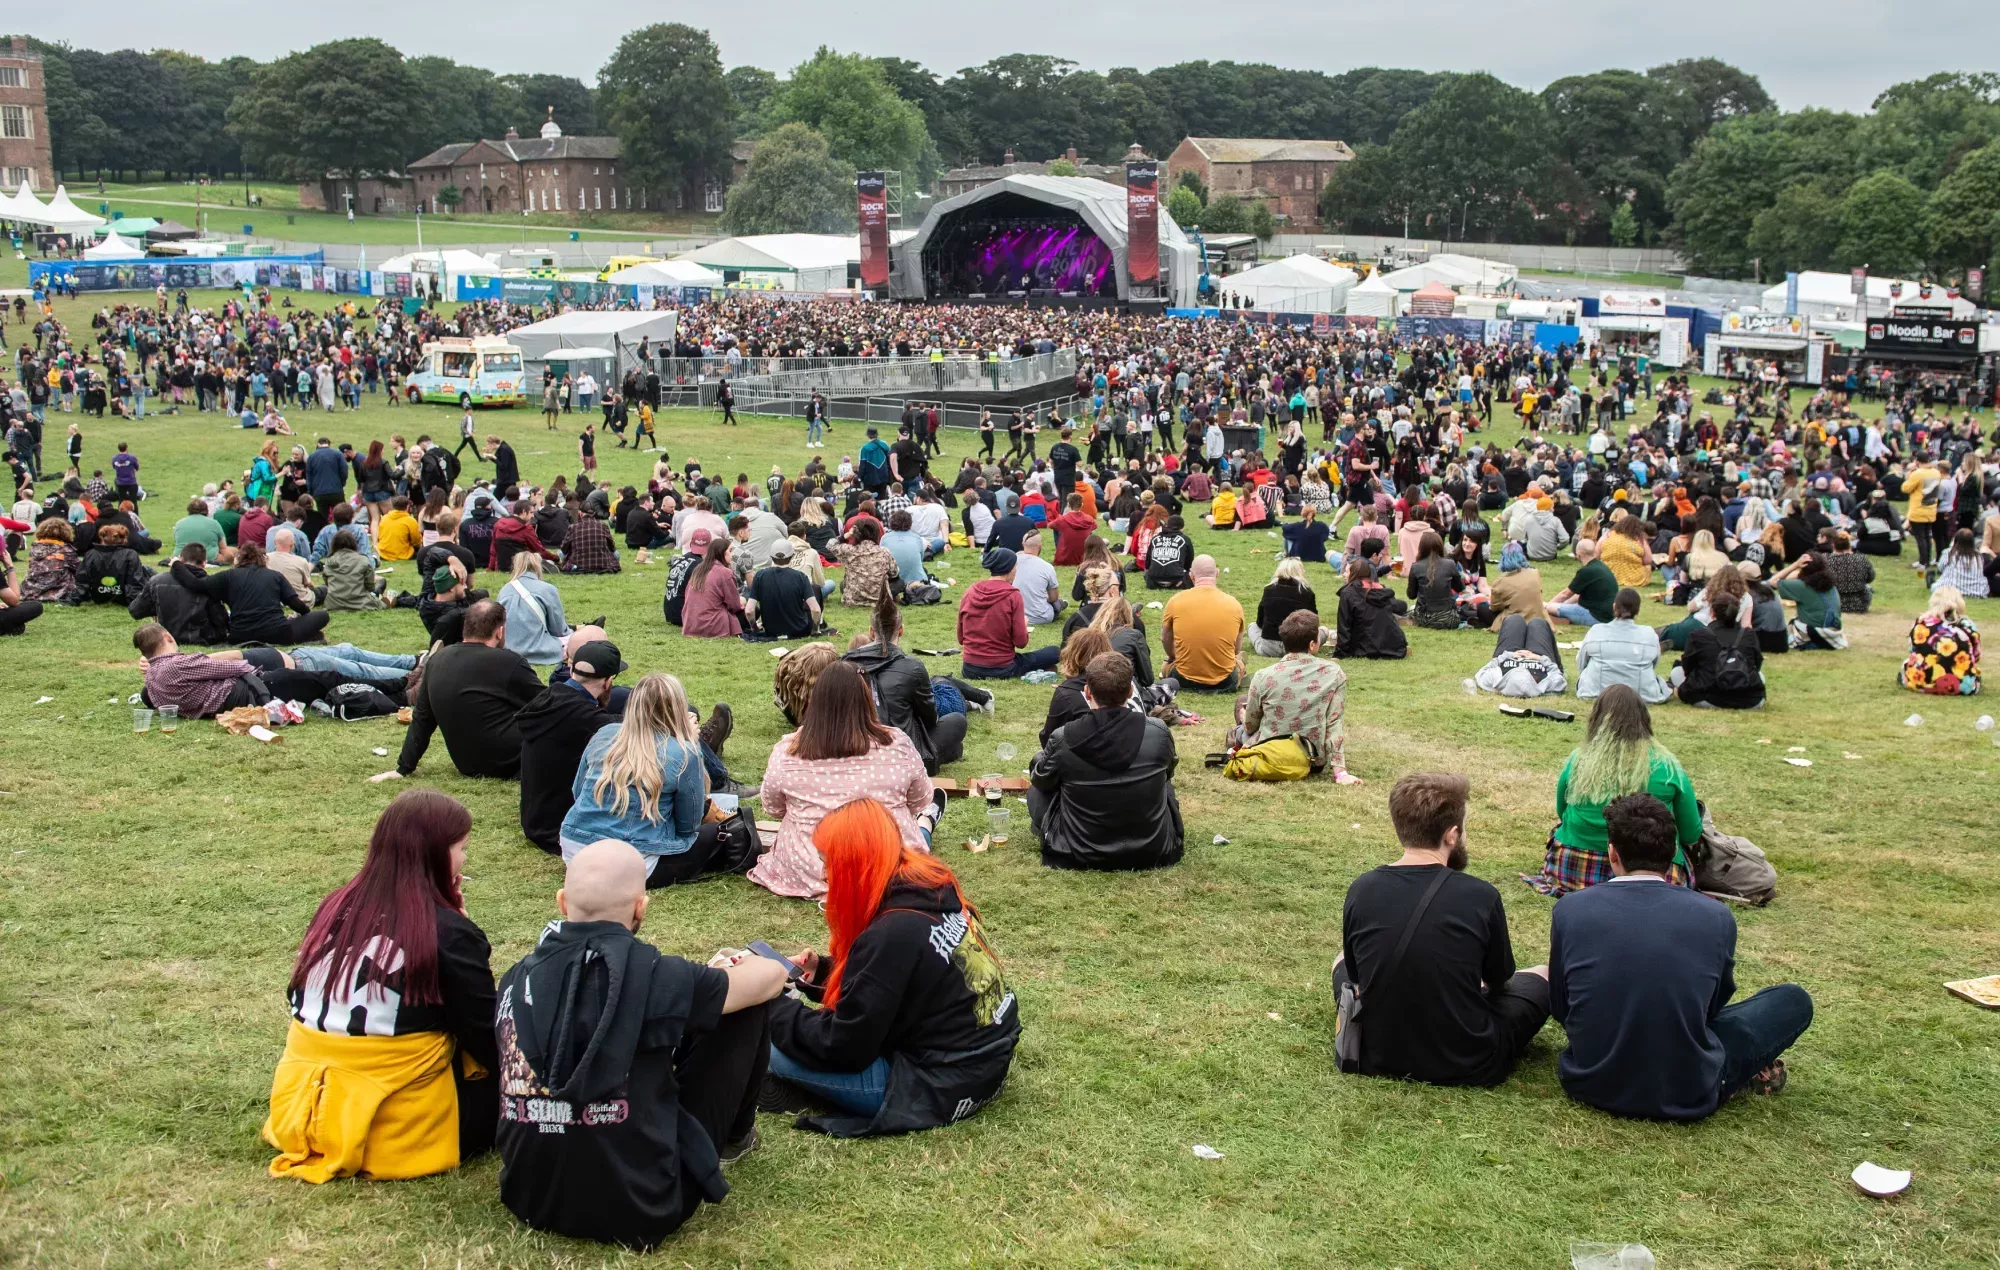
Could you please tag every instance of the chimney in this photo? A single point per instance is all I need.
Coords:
(18, 44)
(513, 133)
(1136, 151)
(1008, 158)
(1070, 154)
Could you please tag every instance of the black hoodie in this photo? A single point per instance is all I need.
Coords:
(902, 695)
(922, 990)
(555, 728)
(1103, 793)
(1367, 623)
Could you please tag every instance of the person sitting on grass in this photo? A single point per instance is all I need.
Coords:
(389, 1062)
(15, 612)
(1424, 946)
(472, 691)
(1367, 622)
(1288, 593)
(1722, 667)
(782, 600)
(399, 536)
(915, 1027)
(932, 711)
(1621, 651)
(595, 1018)
(1944, 648)
(556, 727)
(1587, 599)
(53, 565)
(1101, 792)
(1301, 695)
(257, 597)
(642, 780)
(1168, 554)
(1202, 632)
(1618, 756)
(993, 624)
(112, 572)
(536, 624)
(351, 584)
(841, 751)
(1640, 972)
(713, 608)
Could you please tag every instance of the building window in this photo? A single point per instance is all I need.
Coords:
(559, 198)
(14, 121)
(597, 199)
(711, 196)
(597, 171)
(17, 177)
(614, 169)
(10, 77)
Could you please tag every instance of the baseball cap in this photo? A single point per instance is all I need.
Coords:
(781, 549)
(599, 659)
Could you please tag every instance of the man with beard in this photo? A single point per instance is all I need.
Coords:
(1424, 947)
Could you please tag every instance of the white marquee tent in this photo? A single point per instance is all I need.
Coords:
(1374, 298)
(64, 214)
(618, 330)
(115, 248)
(1298, 284)
(1460, 273)
(667, 273)
(451, 262)
(19, 206)
(1831, 296)
(788, 262)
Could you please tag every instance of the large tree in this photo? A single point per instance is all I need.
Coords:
(1924, 127)
(1022, 102)
(1738, 170)
(1621, 133)
(534, 94)
(144, 109)
(1476, 156)
(1372, 102)
(349, 106)
(751, 89)
(1707, 90)
(666, 100)
(847, 100)
(793, 185)
(211, 86)
(1367, 194)
(1800, 230)
(464, 103)
(1964, 216)
(1882, 224)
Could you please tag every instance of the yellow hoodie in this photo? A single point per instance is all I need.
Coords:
(400, 536)
(363, 1106)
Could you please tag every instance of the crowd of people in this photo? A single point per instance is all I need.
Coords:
(616, 1081)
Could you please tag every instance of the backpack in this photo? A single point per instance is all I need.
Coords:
(1730, 867)
(1282, 758)
(351, 701)
(1732, 668)
(874, 464)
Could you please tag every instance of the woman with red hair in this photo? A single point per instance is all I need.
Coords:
(916, 1027)
(388, 1062)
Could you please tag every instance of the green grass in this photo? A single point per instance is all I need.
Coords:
(279, 216)
(153, 889)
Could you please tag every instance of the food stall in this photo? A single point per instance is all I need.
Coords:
(1633, 323)
(1752, 343)
(1932, 349)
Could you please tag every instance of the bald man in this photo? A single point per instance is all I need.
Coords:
(1202, 631)
(616, 1129)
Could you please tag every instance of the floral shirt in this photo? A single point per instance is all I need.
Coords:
(1301, 694)
(869, 569)
(799, 793)
(1944, 657)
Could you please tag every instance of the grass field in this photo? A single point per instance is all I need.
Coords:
(278, 215)
(153, 890)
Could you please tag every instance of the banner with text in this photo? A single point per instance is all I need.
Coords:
(1142, 228)
(872, 191)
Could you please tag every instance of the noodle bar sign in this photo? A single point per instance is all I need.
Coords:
(1915, 334)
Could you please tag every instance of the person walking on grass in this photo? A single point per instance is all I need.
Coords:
(725, 400)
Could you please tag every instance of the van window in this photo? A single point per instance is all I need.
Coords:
(456, 364)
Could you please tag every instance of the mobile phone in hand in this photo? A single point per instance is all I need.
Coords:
(793, 970)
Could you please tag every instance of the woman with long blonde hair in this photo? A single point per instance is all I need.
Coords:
(641, 781)
(908, 983)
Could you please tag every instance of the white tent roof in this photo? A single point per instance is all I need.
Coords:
(667, 273)
(1373, 297)
(114, 248)
(614, 329)
(1821, 294)
(777, 252)
(456, 261)
(25, 202)
(1298, 284)
(1455, 271)
(64, 214)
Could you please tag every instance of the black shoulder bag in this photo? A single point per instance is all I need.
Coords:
(1347, 1034)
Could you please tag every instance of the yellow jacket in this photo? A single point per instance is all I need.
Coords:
(1920, 485)
(1222, 508)
(363, 1106)
(400, 537)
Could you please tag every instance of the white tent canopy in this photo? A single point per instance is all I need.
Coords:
(667, 273)
(803, 262)
(617, 330)
(1374, 298)
(451, 262)
(63, 214)
(114, 248)
(1460, 273)
(1298, 284)
(16, 206)
(1831, 295)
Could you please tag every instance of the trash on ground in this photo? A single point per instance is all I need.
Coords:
(1611, 1257)
(1984, 723)
(1876, 1180)
(42, 701)
(1914, 721)
(1799, 762)
(1202, 1151)
(1796, 749)
(1221, 841)
(978, 846)
(380, 752)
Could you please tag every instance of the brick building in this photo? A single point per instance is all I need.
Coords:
(552, 173)
(24, 120)
(1286, 176)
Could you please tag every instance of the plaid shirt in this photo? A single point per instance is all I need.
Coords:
(1566, 869)
(198, 685)
(588, 548)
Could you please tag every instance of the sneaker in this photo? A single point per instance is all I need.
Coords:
(731, 1152)
(1769, 1081)
(780, 1097)
(721, 722)
(936, 812)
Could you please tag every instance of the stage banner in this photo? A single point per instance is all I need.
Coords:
(872, 191)
(1914, 335)
(1975, 284)
(1142, 227)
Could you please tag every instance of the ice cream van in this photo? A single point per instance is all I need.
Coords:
(483, 371)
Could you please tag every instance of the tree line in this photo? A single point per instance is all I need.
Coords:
(1691, 154)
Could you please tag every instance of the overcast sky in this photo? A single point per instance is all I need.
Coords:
(1834, 53)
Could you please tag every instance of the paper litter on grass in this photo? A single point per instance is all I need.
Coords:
(1763, 740)
(1203, 1151)
(1221, 841)
(1796, 749)
(779, 652)
(42, 701)
(1799, 762)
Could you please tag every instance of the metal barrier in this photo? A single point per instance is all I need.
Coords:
(849, 378)
(888, 410)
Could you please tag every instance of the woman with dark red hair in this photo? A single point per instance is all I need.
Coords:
(388, 1064)
(916, 1027)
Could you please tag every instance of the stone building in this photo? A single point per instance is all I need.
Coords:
(552, 173)
(1286, 176)
(24, 120)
